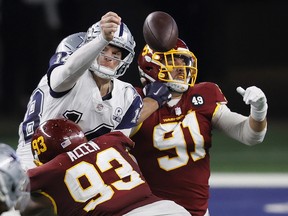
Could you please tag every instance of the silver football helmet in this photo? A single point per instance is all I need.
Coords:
(71, 43)
(14, 182)
(122, 39)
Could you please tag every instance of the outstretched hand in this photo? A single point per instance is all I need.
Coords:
(254, 96)
(257, 99)
(109, 24)
(157, 91)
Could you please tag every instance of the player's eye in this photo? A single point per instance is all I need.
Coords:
(117, 55)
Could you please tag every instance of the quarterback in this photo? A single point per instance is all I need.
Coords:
(81, 85)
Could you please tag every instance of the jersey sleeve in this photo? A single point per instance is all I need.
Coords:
(56, 60)
(39, 176)
(132, 114)
(219, 95)
(64, 78)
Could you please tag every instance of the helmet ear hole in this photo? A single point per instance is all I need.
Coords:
(148, 68)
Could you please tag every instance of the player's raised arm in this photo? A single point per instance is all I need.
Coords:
(258, 102)
(64, 77)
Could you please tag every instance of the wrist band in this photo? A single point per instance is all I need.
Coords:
(259, 115)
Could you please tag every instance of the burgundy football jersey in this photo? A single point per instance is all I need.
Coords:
(172, 148)
(93, 179)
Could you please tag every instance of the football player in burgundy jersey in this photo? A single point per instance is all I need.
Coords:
(172, 145)
(81, 85)
(98, 177)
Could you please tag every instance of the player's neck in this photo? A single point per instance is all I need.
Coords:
(176, 95)
(175, 99)
(105, 86)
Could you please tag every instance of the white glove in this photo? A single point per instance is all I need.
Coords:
(257, 99)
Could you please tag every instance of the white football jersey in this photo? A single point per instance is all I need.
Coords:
(95, 115)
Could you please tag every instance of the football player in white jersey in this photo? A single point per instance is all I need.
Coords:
(81, 85)
(14, 183)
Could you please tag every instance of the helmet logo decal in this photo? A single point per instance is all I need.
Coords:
(66, 143)
(38, 145)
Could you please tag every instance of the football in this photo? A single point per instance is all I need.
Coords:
(160, 31)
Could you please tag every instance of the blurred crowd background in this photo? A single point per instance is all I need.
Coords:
(236, 42)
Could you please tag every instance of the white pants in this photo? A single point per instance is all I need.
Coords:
(26, 157)
(11, 212)
(159, 208)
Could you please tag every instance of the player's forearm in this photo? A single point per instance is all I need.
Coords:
(149, 106)
(239, 127)
(65, 76)
(257, 126)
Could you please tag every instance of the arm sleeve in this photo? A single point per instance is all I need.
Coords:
(131, 116)
(64, 77)
(236, 126)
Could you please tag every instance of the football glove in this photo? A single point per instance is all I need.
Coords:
(257, 99)
(157, 91)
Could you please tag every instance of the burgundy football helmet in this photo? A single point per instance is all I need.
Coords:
(54, 137)
(157, 66)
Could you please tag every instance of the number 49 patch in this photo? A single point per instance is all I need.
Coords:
(197, 100)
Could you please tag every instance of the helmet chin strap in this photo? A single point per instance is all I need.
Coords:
(102, 71)
(177, 87)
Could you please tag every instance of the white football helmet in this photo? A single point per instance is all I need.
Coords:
(71, 43)
(122, 39)
(14, 182)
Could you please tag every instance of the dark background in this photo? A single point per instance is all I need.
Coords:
(236, 43)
